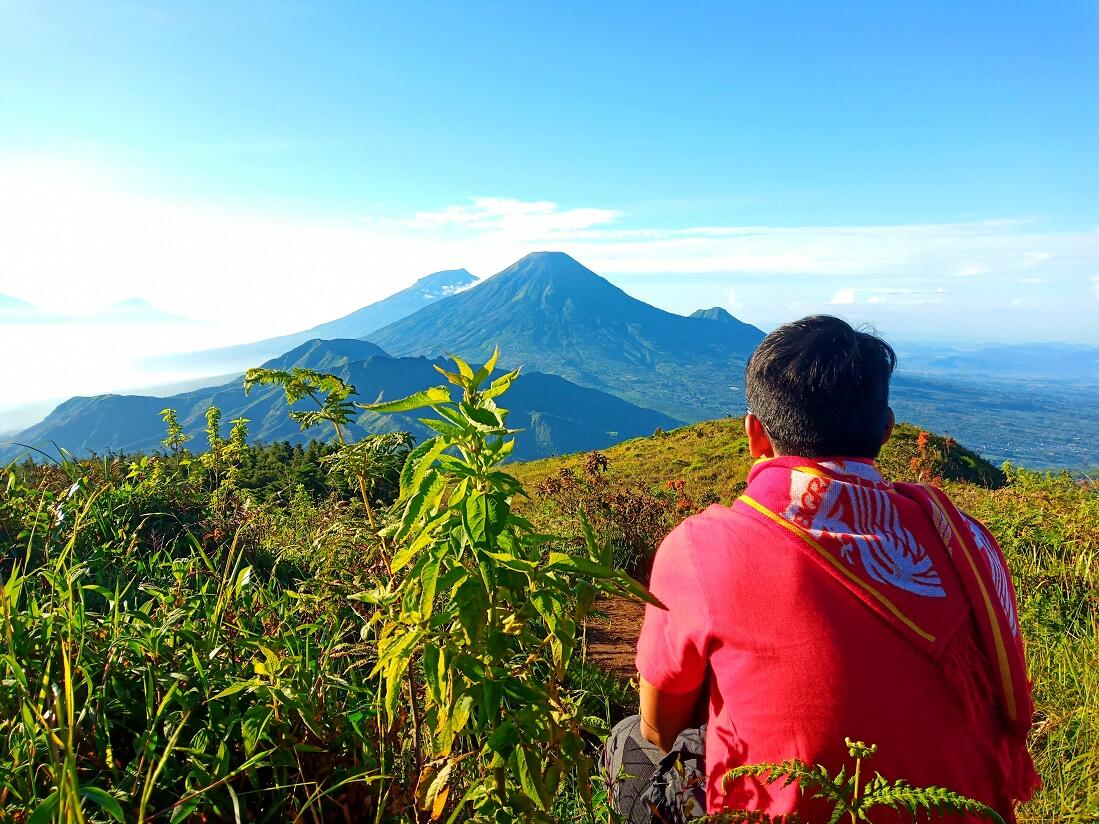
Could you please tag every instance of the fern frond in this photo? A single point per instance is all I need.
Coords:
(814, 779)
(900, 794)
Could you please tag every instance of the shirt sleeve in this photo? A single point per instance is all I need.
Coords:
(672, 650)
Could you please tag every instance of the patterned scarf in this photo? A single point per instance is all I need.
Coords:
(847, 518)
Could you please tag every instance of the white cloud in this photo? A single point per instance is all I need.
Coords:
(1095, 286)
(732, 303)
(843, 297)
(516, 218)
(971, 271)
(75, 241)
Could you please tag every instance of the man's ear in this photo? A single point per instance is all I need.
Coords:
(890, 422)
(759, 442)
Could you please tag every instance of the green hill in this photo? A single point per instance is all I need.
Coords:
(712, 460)
(557, 416)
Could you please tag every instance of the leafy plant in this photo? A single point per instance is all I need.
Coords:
(332, 396)
(485, 612)
(854, 798)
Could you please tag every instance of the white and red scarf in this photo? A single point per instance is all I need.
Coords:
(847, 519)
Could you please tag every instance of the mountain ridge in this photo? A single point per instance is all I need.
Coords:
(356, 324)
(559, 415)
(555, 315)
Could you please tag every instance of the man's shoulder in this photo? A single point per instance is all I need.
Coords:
(717, 528)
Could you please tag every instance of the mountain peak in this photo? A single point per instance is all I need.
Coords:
(454, 279)
(327, 354)
(558, 262)
(713, 313)
(556, 276)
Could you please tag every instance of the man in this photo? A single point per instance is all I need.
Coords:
(825, 604)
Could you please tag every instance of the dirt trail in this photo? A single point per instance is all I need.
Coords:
(612, 640)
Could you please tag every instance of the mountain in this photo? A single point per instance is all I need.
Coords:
(361, 322)
(550, 313)
(715, 313)
(558, 416)
(136, 310)
(1059, 362)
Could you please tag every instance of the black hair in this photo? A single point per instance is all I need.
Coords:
(821, 388)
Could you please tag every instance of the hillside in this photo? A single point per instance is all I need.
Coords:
(559, 416)
(712, 460)
(550, 313)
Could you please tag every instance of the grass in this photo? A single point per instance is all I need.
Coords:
(174, 653)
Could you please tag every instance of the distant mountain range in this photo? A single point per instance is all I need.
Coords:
(1060, 362)
(358, 324)
(558, 415)
(14, 311)
(550, 313)
(555, 317)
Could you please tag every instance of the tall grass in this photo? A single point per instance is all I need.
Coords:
(150, 672)
(170, 654)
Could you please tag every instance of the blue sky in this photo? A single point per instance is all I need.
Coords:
(258, 168)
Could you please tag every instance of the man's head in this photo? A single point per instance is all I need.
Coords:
(816, 388)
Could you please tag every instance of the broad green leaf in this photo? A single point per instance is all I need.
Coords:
(104, 800)
(503, 738)
(393, 689)
(453, 725)
(376, 596)
(487, 369)
(509, 561)
(252, 726)
(444, 428)
(475, 517)
(571, 563)
(530, 777)
(233, 689)
(427, 397)
(423, 503)
(472, 606)
(463, 367)
(43, 813)
(601, 553)
(454, 378)
(492, 697)
(483, 419)
(432, 677)
(411, 463)
(407, 553)
(637, 590)
(429, 575)
(500, 385)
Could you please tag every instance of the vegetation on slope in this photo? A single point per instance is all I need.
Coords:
(176, 647)
(712, 460)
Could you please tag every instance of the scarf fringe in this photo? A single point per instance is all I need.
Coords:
(967, 670)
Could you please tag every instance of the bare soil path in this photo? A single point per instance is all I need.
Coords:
(612, 636)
